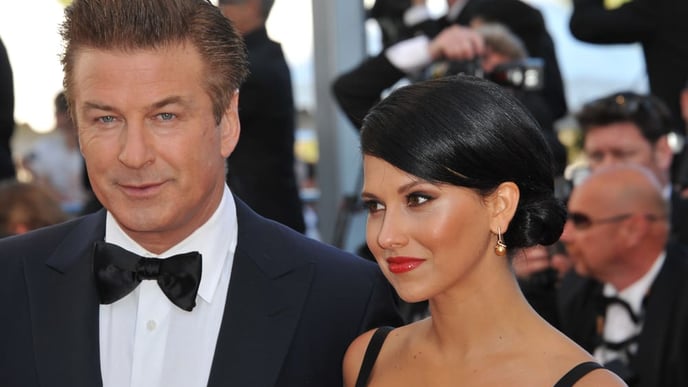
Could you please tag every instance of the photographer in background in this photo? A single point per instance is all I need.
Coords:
(390, 17)
(448, 39)
(528, 24)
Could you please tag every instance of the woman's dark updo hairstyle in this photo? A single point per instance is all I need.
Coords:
(472, 133)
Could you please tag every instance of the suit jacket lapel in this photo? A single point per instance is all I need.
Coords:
(679, 221)
(64, 309)
(264, 304)
(654, 335)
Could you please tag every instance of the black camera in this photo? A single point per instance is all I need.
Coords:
(526, 74)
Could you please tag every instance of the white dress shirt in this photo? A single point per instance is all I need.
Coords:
(419, 13)
(618, 325)
(410, 55)
(147, 341)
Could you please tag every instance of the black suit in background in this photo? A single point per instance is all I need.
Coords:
(679, 218)
(7, 169)
(293, 307)
(659, 25)
(663, 343)
(261, 168)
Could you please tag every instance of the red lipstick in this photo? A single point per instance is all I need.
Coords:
(398, 265)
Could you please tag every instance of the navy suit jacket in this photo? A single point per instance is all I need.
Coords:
(663, 343)
(296, 306)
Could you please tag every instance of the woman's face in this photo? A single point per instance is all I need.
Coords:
(426, 237)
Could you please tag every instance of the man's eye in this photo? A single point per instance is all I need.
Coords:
(625, 154)
(166, 116)
(596, 156)
(106, 119)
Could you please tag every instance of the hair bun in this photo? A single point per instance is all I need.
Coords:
(539, 222)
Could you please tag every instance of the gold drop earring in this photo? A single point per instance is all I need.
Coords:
(500, 247)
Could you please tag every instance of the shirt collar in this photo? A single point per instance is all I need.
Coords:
(216, 240)
(635, 293)
(666, 192)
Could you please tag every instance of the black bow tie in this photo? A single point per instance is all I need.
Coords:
(609, 300)
(119, 271)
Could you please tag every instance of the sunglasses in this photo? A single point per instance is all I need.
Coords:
(583, 222)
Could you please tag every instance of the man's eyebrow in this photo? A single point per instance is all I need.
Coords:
(156, 105)
(98, 106)
(169, 101)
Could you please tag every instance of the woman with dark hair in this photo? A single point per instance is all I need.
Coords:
(457, 172)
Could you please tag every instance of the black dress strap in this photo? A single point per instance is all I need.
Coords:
(577, 373)
(371, 355)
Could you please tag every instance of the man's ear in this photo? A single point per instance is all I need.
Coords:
(502, 204)
(684, 103)
(634, 230)
(230, 127)
(663, 154)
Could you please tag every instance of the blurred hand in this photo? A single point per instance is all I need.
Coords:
(457, 43)
(530, 260)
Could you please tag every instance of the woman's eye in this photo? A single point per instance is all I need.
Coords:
(417, 199)
(372, 206)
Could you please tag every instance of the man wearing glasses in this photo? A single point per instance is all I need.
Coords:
(632, 128)
(627, 299)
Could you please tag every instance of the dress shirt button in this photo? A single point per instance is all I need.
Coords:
(151, 325)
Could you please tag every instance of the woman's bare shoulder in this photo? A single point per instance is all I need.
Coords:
(353, 358)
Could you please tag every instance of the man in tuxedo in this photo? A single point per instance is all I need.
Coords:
(628, 127)
(626, 299)
(260, 170)
(176, 282)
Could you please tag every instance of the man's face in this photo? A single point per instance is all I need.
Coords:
(593, 247)
(621, 143)
(154, 152)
